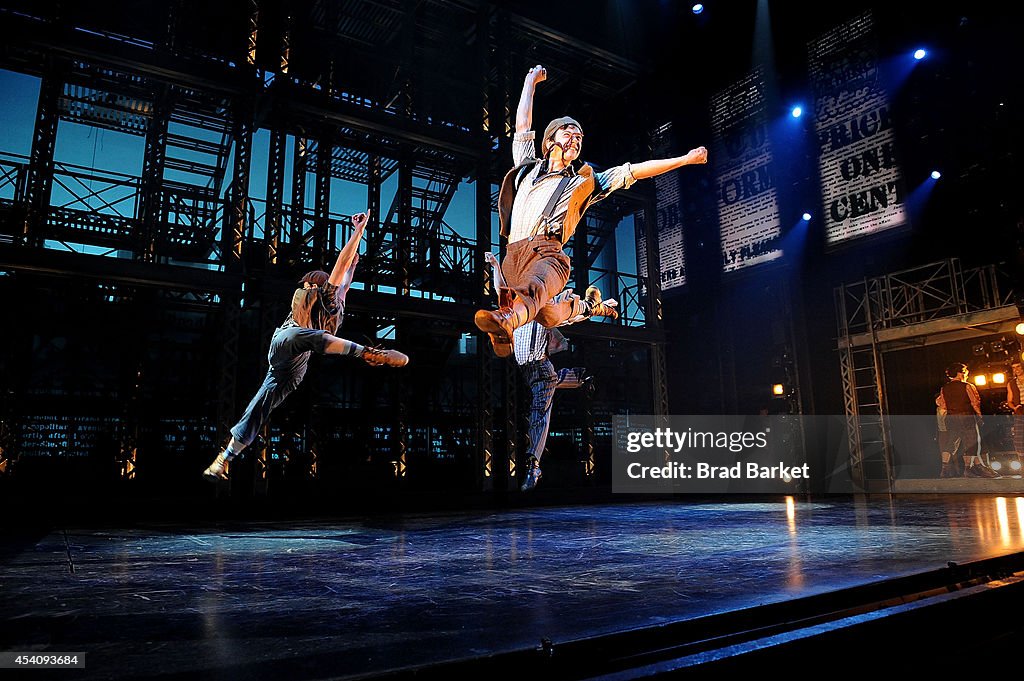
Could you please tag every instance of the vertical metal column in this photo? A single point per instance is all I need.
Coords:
(271, 313)
(254, 27)
(150, 209)
(589, 460)
(407, 55)
(880, 392)
(510, 465)
(400, 434)
(136, 313)
(653, 313)
(658, 374)
(375, 226)
(848, 372)
(322, 205)
(298, 223)
(39, 182)
(275, 196)
(312, 441)
(491, 117)
(502, 117)
(581, 279)
(403, 229)
(864, 390)
(286, 44)
(231, 253)
(128, 429)
(233, 237)
(484, 356)
(227, 380)
(151, 182)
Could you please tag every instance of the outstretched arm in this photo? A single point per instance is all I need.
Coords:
(350, 251)
(658, 166)
(524, 115)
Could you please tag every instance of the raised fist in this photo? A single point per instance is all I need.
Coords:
(359, 219)
(537, 74)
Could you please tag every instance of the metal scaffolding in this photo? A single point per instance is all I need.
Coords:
(935, 303)
(197, 92)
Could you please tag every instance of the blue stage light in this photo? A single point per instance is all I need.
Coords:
(807, 217)
(920, 54)
(698, 8)
(936, 174)
(797, 112)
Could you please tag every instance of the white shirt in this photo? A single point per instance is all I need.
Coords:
(535, 191)
(530, 343)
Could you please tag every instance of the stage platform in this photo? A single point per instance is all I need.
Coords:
(620, 590)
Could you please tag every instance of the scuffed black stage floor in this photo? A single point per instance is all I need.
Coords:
(328, 599)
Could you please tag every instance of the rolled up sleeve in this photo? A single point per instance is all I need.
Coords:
(523, 147)
(613, 179)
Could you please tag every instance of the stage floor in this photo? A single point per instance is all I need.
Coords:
(310, 600)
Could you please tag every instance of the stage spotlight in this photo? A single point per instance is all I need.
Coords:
(698, 8)
(1019, 329)
(996, 466)
(978, 349)
(936, 174)
(797, 112)
(999, 377)
(997, 346)
(920, 54)
(806, 217)
(980, 379)
(778, 389)
(1015, 465)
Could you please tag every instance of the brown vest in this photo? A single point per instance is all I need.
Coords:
(958, 402)
(580, 200)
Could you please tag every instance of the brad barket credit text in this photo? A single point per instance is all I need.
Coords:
(705, 471)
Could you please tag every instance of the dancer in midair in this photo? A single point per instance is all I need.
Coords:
(540, 202)
(533, 346)
(318, 305)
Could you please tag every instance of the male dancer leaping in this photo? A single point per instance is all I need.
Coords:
(533, 346)
(317, 308)
(539, 205)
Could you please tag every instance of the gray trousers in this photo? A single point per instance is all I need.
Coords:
(289, 358)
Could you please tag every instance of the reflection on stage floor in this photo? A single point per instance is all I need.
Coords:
(340, 597)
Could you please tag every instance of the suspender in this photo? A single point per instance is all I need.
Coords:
(545, 216)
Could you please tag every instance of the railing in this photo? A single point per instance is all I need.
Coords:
(629, 290)
(920, 294)
(13, 171)
(78, 189)
(13, 176)
(102, 209)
